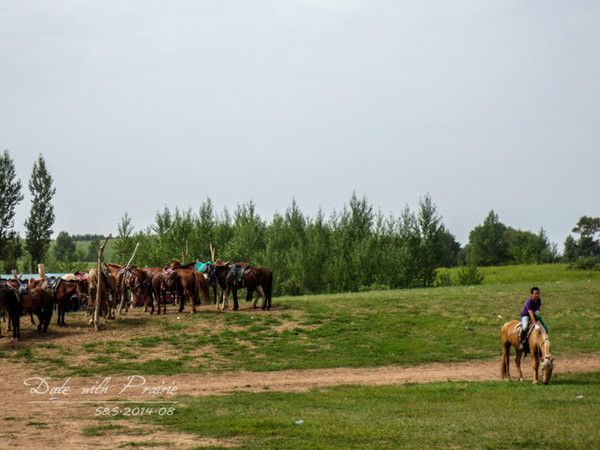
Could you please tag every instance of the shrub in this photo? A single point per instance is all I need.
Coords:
(374, 287)
(469, 275)
(291, 287)
(442, 279)
(586, 263)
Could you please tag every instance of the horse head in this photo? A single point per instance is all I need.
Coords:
(547, 360)
(547, 367)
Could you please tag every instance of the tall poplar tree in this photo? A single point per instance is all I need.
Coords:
(41, 217)
(10, 196)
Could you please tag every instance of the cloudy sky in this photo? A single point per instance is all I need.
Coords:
(140, 104)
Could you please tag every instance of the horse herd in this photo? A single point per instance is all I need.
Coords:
(107, 293)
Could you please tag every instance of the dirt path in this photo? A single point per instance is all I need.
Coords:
(47, 419)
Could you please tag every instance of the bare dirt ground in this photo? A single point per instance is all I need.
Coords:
(57, 418)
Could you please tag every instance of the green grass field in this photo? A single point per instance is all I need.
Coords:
(493, 415)
(368, 329)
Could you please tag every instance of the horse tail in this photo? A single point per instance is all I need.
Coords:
(504, 337)
(269, 285)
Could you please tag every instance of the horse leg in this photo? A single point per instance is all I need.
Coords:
(15, 318)
(236, 305)
(518, 363)
(535, 363)
(181, 297)
(218, 299)
(47, 320)
(261, 291)
(58, 311)
(506, 361)
(40, 320)
(226, 292)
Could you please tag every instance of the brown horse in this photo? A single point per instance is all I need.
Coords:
(158, 283)
(138, 283)
(9, 302)
(539, 347)
(186, 287)
(65, 290)
(253, 278)
(38, 301)
(202, 287)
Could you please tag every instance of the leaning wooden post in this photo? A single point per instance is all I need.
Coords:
(99, 283)
(42, 271)
(123, 289)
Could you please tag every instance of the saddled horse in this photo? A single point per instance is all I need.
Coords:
(253, 278)
(538, 345)
(64, 292)
(36, 300)
(159, 288)
(116, 283)
(259, 279)
(186, 286)
(9, 302)
(217, 278)
(231, 277)
(104, 307)
(137, 281)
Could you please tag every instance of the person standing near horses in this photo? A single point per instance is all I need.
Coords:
(529, 314)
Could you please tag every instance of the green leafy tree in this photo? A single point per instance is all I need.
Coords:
(41, 218)
(248, 240)
(570, 252)
(525, 247)
(469, 275)
(10, 196)
(92, 250)
(430, 235)
(487, 242)
(587, 244)
(124, 244)
(65, 249)
(203, 235)
(13, 252)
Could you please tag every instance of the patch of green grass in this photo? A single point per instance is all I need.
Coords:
(146, 444)
(530, 273)
(106, 365)
(24, 353)
(33, 423)
(500, 415)
(101, 430)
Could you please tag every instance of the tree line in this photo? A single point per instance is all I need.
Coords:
(38, 226)
(352, 249)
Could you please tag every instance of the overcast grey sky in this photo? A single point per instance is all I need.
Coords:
(140, 104)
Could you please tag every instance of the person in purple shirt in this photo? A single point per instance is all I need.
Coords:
(528, 315)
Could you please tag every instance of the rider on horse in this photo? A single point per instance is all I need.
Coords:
(530, 314)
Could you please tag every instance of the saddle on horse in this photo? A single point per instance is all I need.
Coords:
(237, 272)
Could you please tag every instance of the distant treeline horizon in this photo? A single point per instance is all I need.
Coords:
(352, 249)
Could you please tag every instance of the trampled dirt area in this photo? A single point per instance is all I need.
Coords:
(55, 412)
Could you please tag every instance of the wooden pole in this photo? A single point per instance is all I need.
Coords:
(99, 282)
(42, 271)
(123, 289)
